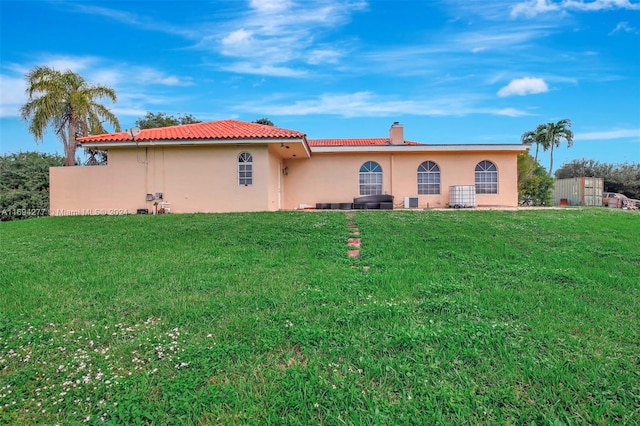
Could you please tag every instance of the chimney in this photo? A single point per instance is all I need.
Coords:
(396, 133)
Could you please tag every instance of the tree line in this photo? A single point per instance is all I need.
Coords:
(24, 184)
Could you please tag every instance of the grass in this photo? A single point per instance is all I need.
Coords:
(463, 317)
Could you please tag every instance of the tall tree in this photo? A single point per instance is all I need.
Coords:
(154, 120)
(549, 136)
(66, 102)
(537, 137)
(555, 132)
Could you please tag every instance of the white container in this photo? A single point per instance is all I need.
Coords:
(462, 196)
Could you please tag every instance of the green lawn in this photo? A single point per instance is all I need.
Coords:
(462, 317)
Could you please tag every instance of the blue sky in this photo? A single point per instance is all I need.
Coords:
(452, 71)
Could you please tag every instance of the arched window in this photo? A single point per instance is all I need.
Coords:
(428, 178)
(370, 178)
(486, 178)
(245, 169)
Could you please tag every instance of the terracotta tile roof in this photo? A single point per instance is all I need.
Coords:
(354, 142)
(223, 129)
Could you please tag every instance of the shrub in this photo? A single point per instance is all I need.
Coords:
(24, 184)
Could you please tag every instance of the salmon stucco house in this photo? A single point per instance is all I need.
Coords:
(234, 166)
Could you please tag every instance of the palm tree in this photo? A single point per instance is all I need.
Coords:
(538, 137)
(65, 101)
(554, 133)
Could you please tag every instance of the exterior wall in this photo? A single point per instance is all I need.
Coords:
(274, 187)
(112, 189)
(205, 179)
(192, 179)
(327, 178)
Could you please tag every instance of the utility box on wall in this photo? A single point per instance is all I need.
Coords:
(410, 202)
(580, 191)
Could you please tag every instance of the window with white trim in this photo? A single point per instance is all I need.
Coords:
(245, 169)
(428, 178)
(486, 178)
(370, 178)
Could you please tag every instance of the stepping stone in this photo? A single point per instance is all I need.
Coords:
(353, 243)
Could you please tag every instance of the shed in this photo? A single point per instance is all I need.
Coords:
(580, 191)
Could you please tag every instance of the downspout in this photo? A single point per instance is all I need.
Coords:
(279, 185)
(391, 176)
(146, 171)
(163, 171)
(154, 171)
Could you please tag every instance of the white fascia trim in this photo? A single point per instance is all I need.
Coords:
(420, 148)
(180, 142)
(306, 147)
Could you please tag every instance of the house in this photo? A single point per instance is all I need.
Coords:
(233, 166)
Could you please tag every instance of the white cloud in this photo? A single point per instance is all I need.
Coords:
(368, 104)
(124, 78)
(77, 64)
(524, 86)
(274, 32)
(139, 21)
(479, 41)
(104, 76)
(129, 112)
(437, 63)
(270, 6)
(237, 39)
(624, 27)
(600, 5)
(151, 76)
(609, 134)
(12, 95)
(359, 104)
(264, 70)
(323, 56)
(172, 80)
(511, 112)
(449, 53)
(114, 14)
(105, 72)
(532, 8)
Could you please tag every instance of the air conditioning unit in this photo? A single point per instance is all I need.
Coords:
(410, 202)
